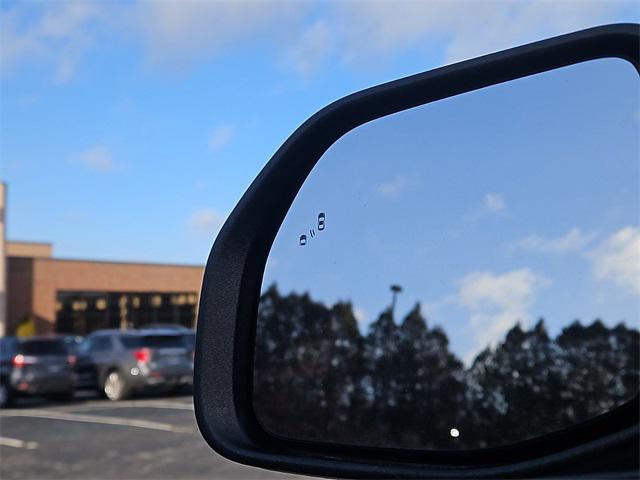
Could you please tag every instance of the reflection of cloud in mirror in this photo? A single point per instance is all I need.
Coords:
(361, 317)
(617, 259)
(572, 241)
(394, 187)
(496, 302)
(494, 202)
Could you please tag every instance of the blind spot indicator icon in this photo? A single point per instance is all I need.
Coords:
(303, 240)
(321, 218)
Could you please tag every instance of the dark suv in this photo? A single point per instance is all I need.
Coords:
(35, 366)
(119, 363)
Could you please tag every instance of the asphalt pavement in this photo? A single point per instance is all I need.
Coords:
(91, 438)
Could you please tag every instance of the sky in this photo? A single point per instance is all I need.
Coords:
(129, 130)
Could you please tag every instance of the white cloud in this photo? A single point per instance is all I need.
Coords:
(220, 137)
(57, 35)
(173, 33)
(573, 241)
(97, 158)
(314, 46)
(466, 28)
(494, 202)
(205, 221)
(200, 184)
(617, 259)
(496, 302)
(362, 319)
(360, 314)
(394, 187)
(181, 33)
(25, 101)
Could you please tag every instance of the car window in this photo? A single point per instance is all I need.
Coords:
(131, 341)
(43, 347)
(190, 340)
(163, 341)
(6, 347)
(83, 347)
(153, 341)
(99, 344)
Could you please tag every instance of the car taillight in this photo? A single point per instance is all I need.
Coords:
(71, 359)
(143, 355)
(21, 360)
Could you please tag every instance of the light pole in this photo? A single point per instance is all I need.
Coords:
(395, 290)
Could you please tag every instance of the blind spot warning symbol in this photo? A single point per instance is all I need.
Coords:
(303, 240)
(321, 218)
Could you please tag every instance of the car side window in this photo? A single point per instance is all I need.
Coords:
(6, 348)
(100, 344)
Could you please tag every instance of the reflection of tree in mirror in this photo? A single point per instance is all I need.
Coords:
(316, 377)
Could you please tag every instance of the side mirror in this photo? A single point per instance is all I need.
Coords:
(494, 209)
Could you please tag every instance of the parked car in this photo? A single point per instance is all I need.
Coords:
(189, 334)
(72, 342)
(190, 339)
(35, 366)
(167, 326)
(118, 363)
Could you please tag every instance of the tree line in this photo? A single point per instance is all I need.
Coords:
(316, 377)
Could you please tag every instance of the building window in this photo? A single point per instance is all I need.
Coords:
(81, 313)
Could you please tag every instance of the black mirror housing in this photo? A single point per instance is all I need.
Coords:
(234, 272)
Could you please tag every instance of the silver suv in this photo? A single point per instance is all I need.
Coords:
(35, 366)
(119, 363)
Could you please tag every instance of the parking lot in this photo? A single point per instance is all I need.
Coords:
(92, 438)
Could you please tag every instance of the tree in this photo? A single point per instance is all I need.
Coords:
(307, 365)
(602, 368)
(316, 377)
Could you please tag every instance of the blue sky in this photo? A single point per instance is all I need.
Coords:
(130, 129)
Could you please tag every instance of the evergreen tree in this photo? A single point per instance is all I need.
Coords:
(602, 368)
(317, 378)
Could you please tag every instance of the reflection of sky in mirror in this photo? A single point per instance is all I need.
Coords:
(511, 203)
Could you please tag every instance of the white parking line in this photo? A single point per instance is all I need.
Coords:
(131, 404)
(15, 443)
(76, 417)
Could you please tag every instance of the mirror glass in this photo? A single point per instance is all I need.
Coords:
(461, 275)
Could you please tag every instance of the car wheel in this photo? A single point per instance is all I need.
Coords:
(115, 386)
(5, 395)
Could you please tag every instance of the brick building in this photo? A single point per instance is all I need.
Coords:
(78, 296)
(40, 293)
